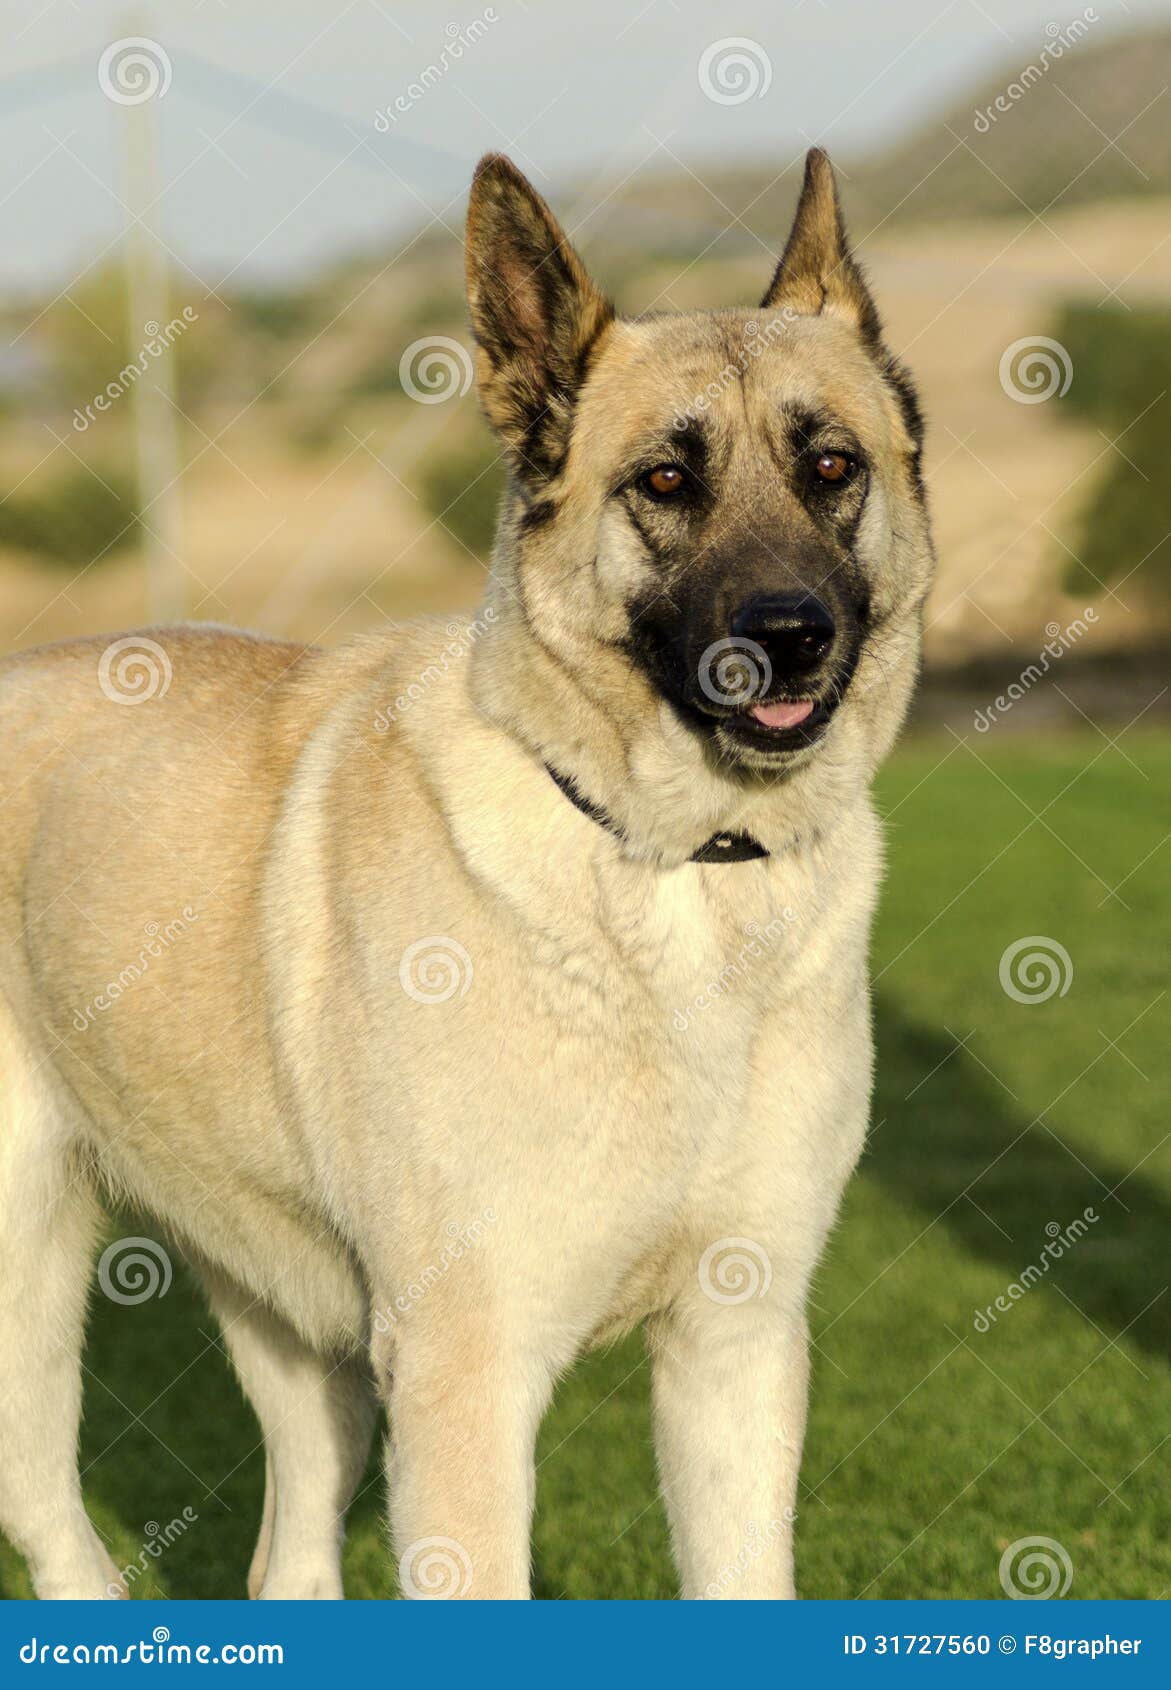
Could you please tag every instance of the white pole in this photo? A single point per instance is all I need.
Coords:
(156, 442)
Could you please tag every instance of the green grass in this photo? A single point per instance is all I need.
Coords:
(931, 1446)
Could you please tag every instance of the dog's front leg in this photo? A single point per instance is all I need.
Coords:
(464, 1408)
(730, 1381)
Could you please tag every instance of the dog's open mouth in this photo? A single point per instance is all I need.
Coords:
(765, 726)
(782, 714)
(778, 726)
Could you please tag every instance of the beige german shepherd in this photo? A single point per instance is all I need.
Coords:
(456, 1004)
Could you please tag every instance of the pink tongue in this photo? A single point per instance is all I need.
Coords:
(782, 715)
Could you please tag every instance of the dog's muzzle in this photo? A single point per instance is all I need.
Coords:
(772, 684)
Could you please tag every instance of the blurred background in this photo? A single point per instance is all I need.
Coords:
(235, 386)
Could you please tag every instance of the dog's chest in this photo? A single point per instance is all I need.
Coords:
(667, 979)
(667, 989)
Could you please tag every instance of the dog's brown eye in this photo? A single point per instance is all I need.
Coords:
(832, 466)
(665, 480)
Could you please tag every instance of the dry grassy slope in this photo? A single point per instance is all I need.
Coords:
(1008, 480)
(320, 541)
(322, 544)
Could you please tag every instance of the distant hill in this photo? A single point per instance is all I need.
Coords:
(1095, 125)
(1081, 122)
(1084, 121)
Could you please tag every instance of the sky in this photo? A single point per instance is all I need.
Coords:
(293, 132)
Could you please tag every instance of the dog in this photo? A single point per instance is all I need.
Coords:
(502, 993)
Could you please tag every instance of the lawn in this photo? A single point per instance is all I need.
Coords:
(933, 1444)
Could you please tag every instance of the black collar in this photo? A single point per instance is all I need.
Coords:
(720, 848)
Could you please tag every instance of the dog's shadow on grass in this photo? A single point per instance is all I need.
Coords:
(167, 1429)
(951, 1140)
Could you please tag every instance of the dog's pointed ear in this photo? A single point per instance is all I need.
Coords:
(535, 313)
(817, 271)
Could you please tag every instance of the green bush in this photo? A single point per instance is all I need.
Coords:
(1122, 385)
(278, 314)
(462, 489)
(72, 518)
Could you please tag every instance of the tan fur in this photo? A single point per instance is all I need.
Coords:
(317, 1132)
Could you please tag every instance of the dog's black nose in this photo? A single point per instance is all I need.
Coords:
(795, 630)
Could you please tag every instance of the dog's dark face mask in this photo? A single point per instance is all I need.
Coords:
(753, 618)
(731, 500)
